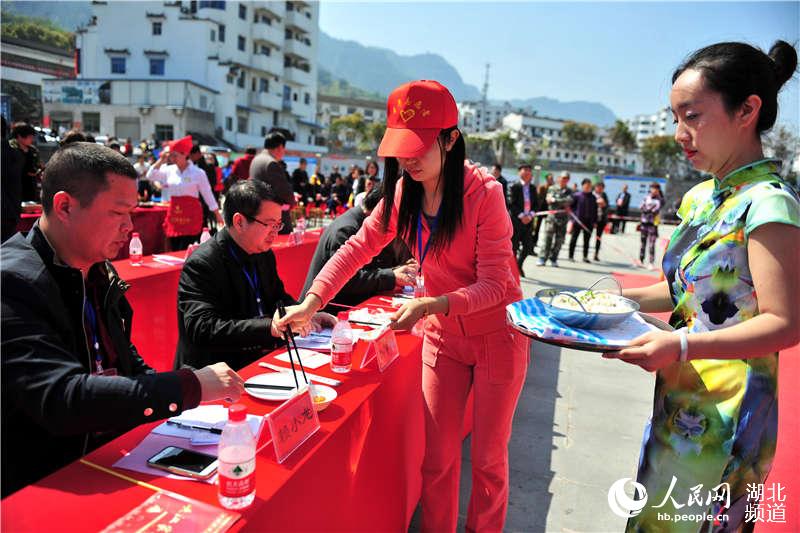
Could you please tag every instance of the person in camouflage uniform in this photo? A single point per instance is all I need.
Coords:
(558, 197)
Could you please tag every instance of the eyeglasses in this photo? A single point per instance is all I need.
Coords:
(273, 226)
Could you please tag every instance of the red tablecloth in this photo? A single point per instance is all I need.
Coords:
(360, 472)
(154, 289)
(147, 221)
(787, 456)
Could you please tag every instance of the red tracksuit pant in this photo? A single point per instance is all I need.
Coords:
(494, 367)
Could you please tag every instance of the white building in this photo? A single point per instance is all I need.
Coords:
(24, 65)
(333, 107)
(231, 70)
(474, 119)
(542, 138)
(657, 124)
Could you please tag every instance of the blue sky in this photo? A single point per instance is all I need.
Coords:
(621, 54)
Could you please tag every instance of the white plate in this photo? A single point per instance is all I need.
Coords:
(273, 378)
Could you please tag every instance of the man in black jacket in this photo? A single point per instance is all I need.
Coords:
(497, 172)
(71, 378)
(11, 188)
(623, 202)
(229, 287)
(521, 209)
(389, 270)
(300, 179)
(268, 167)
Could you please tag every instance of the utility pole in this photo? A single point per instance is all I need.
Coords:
(484, 99)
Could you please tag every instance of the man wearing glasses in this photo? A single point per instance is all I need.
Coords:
(229, 287)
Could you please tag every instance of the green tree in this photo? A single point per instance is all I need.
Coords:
(352, 124)
(504, 150)
(37, 30)
(578, 133)
(622, 137)
(661, 155)
(479, 149)
(591, 163)
(373, 133)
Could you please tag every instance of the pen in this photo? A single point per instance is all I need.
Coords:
(184, 425)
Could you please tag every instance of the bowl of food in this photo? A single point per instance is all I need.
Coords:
(322, 396)
(587, 308)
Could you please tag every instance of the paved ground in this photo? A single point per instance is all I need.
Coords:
(579, 422)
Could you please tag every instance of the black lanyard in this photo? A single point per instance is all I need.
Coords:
(92, 317)
(423, 253)
(252, 280)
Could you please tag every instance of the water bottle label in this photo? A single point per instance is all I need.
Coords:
(238, 479)
(341, 354)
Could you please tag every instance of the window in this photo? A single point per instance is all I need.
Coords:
(241, 124)
(221, 33)
(91, 122)
(264, 85)
(242, 43)
(117, 65)
(294, 97)
(241, 80)
(289, 6)
(156, 66)
(230, 78)
(213, 5)
(77, 61)
(164, 132)
(367, 112)
(351, 110)
(203, 101)
(213, 35)
(242, 11)
(156, 28)
(274, 117)
(307, 99)
(253, 85)
(263, 131)
(229, 123)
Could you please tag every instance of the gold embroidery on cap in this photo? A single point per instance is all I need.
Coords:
(407, 114)
(409, 110)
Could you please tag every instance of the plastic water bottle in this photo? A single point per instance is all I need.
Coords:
(205, 235)
(300, 231)
(342, 345)
(135, 250)
(237, 461)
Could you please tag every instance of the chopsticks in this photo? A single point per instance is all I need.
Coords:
(267, 386)
(286, 337)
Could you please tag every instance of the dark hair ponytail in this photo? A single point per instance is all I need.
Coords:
(452, 207)
(738, 70)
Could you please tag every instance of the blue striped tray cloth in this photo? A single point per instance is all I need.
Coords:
(531, 317)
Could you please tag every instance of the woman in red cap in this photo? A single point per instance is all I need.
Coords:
(452, 215)
(181, 177)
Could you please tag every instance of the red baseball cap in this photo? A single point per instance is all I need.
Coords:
(415, 114)
(183, 145)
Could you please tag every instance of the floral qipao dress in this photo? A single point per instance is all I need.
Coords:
(715, 421)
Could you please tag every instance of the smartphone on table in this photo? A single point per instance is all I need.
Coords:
(184, 462)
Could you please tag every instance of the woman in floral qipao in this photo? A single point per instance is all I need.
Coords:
(732, 286)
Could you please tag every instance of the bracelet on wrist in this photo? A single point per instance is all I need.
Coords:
(684, 353)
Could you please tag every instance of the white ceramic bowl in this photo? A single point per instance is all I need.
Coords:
(329, 393)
